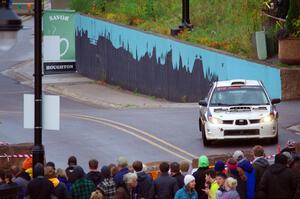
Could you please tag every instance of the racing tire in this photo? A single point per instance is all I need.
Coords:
(206, 142)
(200, 125)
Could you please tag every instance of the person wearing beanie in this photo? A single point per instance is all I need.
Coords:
(290, 147)
(107, 186)
(219, 167)
(203, 165)
(27, 166)
(278, 181)
(188, 190)
(238, 156)
(40, 187)
(50, 164)
(237, 173)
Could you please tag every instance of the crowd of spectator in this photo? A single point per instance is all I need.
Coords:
(235, 178)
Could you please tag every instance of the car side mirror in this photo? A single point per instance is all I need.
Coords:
(202, 103)
(275, 101)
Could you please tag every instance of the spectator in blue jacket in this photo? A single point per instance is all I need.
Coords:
(249, 171)
(188, 191)
(123, 170)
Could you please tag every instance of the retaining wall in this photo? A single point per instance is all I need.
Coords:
(158, 65)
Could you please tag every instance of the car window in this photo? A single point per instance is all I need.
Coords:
(230, 96)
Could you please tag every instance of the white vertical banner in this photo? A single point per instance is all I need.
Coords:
(50, 110)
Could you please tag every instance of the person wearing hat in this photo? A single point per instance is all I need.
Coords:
(220, 167)
(249, 171)
(188, 191)
(290, 147)
(237, 173)
(27, 166)
(203, 165)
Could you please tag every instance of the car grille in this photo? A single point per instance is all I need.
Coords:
(241, 132)
(254, 121)
(227, 121)
(241, 122)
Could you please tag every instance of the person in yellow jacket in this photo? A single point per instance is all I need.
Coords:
(27, 166)
(60, 189)
(210, 179)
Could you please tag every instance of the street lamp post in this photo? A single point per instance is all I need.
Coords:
(185, 20)
(10, 23)
(38, 149)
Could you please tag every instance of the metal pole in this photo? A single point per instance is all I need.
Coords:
(187, 7)
(38, 150)
(185, 14)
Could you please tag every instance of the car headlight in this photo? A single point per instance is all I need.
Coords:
(267, 119)
(215, 120)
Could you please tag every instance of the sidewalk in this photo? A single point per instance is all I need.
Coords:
(79, 88)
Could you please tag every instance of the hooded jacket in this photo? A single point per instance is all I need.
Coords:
(60, 189)
(40, 187)
(278, 181)
(200, 182)
(250, 174)
(94, 176)
(260, 165)
(70, 171)
(180, 179)
(144, 185)
(118, 178)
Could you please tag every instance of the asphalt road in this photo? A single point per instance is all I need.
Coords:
(105, 134)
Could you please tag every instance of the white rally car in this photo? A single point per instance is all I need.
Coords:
(238, 109)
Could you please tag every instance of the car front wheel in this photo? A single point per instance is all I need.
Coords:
(206, 142)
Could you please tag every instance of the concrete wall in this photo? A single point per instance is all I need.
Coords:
(290, 83)
(157, 65)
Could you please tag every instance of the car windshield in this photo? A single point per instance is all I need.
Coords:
(238, 96)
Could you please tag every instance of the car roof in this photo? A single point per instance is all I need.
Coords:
(238, 82)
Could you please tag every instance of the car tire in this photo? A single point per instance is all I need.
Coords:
(200, 125)
(206, 142)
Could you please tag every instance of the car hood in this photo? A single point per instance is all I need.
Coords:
(240, 112)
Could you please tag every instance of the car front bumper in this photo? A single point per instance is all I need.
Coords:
(225, 131)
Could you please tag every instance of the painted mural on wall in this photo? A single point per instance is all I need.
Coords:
(159, 66)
